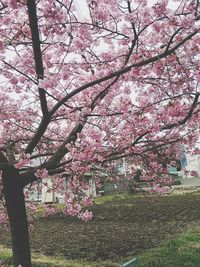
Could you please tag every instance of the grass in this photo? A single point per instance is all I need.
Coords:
(113, 197)
(123, 227)
(181, 252)
(40, 260)
(123, 196)
(127, 196)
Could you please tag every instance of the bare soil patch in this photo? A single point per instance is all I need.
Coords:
(120, 229)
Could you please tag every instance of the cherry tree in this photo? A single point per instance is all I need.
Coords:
(80, 94)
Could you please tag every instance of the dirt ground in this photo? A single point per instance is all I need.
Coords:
(119, 229)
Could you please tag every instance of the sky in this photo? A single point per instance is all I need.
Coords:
(82, 8)
(83, 12)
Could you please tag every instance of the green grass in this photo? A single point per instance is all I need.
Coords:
(181, 252)
(128, 196)
(40, 260)
(123, 226)
(117, 197)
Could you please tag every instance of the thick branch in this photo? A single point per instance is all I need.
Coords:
(27, 178)
(4, 163)
(40, 74)
(43, 102)
(115, 74)
(35, 38)
(5, 166)
(3, 159)
(121, 71)
(62, 150)
(40, 131)
(53, 161)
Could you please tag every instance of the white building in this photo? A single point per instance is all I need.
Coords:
(193, 165)
(49, 195)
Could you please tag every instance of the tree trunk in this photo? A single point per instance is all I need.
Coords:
(15, 203)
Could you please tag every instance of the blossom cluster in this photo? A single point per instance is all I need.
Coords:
(25, 158)
(122, 82)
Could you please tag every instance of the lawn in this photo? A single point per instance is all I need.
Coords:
(123, 227)
(180, 252)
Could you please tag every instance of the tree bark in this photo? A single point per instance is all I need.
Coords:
(15, 203)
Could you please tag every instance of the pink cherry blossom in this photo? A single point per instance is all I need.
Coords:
(86, 216)
(23, 161)
(87, 201)
(194, 173)
(42, 173)
(50, 210)
(113, 92)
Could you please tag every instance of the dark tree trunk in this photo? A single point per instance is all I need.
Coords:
(15, 203)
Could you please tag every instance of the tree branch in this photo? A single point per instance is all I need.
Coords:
(39, 133)
(44, 123)
(43, 102)
(35, 38)
(40, 74)
(189, 115)
(20, 72)
(121, 71)
(62, 150)
(4, 163)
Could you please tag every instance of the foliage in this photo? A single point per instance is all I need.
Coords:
(183, 251)
(40, 260)
(113, 197)
(122, 82)
(79, 94)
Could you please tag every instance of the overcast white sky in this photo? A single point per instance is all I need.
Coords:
(82, 8)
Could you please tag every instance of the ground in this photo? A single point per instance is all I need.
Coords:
(121, 228)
